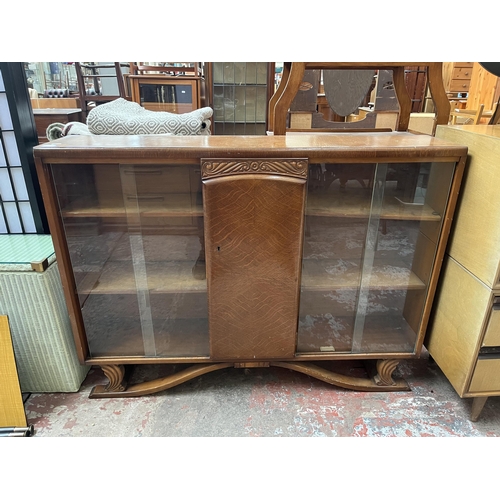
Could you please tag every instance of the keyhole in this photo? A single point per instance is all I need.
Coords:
(218, 249)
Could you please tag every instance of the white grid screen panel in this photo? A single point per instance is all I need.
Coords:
(16, 215)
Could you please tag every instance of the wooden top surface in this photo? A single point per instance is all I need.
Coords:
(363, 65)
(164, 76)
(56, 111)
(378, 146)
(487, 130)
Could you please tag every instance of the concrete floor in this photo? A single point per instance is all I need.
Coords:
(266, 402)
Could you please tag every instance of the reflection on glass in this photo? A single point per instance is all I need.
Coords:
(370, 240)
(135, 237)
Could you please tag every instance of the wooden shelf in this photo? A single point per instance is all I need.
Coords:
(240, 122)
(173, 338)
(168, 277)
(322, 205)
(118, 277)
(327, 275)
(168, 208)
(381, 334)
(357, 205)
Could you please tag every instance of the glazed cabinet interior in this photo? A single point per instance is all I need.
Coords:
(245, 251)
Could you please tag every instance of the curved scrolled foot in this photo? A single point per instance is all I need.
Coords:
(115, 375)
(385, 369)
(344, 381)
(158, 385)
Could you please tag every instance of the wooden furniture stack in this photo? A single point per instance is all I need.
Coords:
(464, 333)
(456, 78)
(55, 110)
(484, 89)
(45, 117)
(215, 252)
(470, 86)
(293, 75)
(174, 89)
(91, 86)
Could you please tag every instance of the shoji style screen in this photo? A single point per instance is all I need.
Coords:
(21, 210)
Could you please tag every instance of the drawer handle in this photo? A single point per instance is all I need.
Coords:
(142, 172)
(489, 353)
(146, 197)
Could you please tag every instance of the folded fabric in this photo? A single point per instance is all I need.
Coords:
(58, 130)
(122, 117)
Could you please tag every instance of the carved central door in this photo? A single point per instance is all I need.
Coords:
(254, 219)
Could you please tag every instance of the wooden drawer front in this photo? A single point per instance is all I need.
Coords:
(462, 73)
(459, 85)
(144, 180)
(486, 376)
(176, 201)
(492, 335)
(156, 179)
(463, 65)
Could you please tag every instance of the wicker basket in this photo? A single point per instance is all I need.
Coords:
(41, 332)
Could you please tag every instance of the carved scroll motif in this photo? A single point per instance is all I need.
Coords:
(385, 369)
(115, 375)
(217, 168)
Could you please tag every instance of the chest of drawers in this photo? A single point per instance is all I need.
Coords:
(464, 332)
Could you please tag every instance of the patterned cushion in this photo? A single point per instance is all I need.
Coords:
(122, 117)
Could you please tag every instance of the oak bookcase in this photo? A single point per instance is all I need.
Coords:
(247, 251)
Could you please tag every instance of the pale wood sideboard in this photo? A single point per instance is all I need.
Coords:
(464, 330)
(247, 251)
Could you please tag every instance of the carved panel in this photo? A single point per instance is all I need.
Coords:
(291, 167)
(253, 243)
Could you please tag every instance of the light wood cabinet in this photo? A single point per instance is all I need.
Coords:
(218, 252)
(464, 331)
(470, 85)
(456, 78)
(484, 89)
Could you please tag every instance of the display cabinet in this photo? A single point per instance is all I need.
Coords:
(166, 93)
(217, 252)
